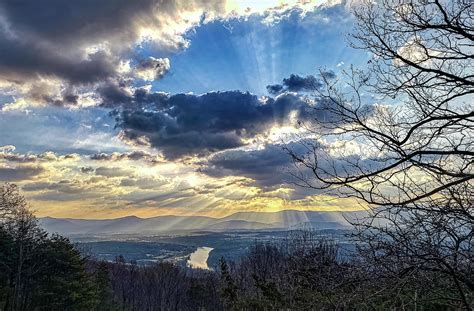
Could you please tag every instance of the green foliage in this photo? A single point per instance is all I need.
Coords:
(228, 287)
(103, 288)
(44, 273)
(63, 282)
(37, 271)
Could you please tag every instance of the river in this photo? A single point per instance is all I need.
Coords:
(198, 259)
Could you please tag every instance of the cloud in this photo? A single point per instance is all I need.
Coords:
(186, 125)
(267, 166)
(143, 183)
(272, 170)
(152, 68)
(64, 186)
(19, 173)
(132, 156)
(60, 53)
(112, 171)
(7, 148)
(10, 157)
(7, 154)
(67, 190)
(86, 169)
(416, 51)
(57, 53)
(79, 41)
(297, 83)
(113, 94)
(19, 60)
(275, 88)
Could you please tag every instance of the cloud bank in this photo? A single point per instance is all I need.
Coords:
(189, 125)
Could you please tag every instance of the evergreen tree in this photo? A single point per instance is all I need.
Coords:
(63, 283)
(103, 287)
(229, 289)
(37, 271)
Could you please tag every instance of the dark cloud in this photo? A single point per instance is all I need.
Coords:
(19, 173)
(267, 166)
(114, 94)
(152, 68)
(184, 124)
(64, 186)
(49, 156)
(275, 88)
(272, 166)
(21, 158)
(74, 44)
(328, 74)
(74, 21)
(296, 83)
(45, 39)
(86, 169)
(25, 60)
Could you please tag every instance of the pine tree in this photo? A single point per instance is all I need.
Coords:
(229, 289)
(103, 288)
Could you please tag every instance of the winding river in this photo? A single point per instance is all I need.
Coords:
(198, 259)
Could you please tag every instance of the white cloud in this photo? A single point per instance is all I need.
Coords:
(415, 50)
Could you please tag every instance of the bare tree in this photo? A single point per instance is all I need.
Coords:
(12, 202)
(399, 137)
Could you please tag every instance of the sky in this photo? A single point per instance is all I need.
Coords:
(149, 107)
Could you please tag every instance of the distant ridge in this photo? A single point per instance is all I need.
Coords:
(287, 219)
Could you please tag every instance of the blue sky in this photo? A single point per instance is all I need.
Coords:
(247, 55)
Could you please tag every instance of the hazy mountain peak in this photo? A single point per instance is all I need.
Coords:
(286, 219)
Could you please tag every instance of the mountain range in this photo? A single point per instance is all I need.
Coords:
(287, 219)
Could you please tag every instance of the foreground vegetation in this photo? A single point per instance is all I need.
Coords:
(46, 272)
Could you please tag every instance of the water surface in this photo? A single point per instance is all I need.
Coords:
(198, 259)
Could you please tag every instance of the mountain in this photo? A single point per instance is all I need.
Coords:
(288, 219)
(241, 225)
